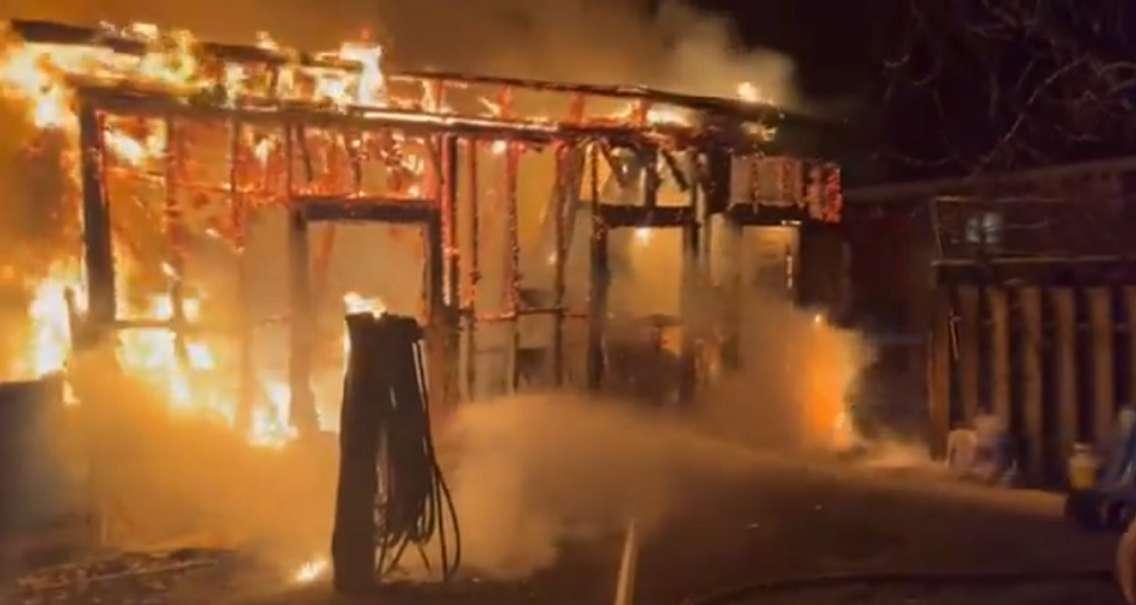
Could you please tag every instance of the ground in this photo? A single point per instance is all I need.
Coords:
(791, 519)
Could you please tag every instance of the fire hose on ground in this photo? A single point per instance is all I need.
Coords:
(391, 494)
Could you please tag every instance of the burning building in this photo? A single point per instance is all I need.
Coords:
(219, 206)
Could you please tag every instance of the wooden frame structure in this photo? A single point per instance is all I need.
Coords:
(455, 143)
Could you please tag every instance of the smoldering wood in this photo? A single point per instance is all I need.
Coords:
(598, 279)
(57, 33)
(474, 267)
(651, 178)
(119, 99)
(450, 220)
(563, 202)
(513, 259)
(734, 107)
(389, 210)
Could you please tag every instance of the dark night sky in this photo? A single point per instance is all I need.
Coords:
(836, 47)
(831, 40)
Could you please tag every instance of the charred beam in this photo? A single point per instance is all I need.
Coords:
(143, 103)
(367, 209)
(98, 257)
(640, 216)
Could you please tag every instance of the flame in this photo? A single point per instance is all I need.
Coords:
(371, 86)
(311, 571)
(751, 93)
(356, 303)
(31, 74)
(835, 357)
(270, 427)
(171, 61)
(133, 151)
(51, 325)
(668, 116)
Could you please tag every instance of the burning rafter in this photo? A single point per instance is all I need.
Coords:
(264, 78)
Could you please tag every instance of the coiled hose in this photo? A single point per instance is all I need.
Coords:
(391, 492)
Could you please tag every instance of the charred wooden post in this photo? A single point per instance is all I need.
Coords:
(353, 541)
(598, 280)
(967, 298)
(690, 278)
(1000, 401)
(939, 380)
(449, 306)
(1065, 369)
(651, 178)
(98, 258)
(563, 203)
(450, 221)
(1101, 330)
(1033, 411)
(474, 269)
(513, 271)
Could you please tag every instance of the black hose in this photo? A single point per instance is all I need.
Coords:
(416, 499)
(733, 594)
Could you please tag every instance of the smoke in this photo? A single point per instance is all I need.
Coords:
(790, 391)
(675, 47)
(532, 473)
(163, 478)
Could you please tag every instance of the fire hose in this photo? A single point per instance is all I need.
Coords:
(391, 492)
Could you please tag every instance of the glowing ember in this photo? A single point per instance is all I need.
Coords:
(371, 88)
(270, 427)
(133, 151)
(191, 309)
(750, 93)
(668, 116)
(200, 356)
(355, 303)
(311, 571)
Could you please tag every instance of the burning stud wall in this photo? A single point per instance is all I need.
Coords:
(230, 198)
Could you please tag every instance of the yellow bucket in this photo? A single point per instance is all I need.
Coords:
(1083, 466)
